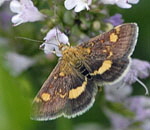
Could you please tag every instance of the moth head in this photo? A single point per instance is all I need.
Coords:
(63, 47)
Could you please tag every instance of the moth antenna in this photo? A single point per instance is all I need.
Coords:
(143, 85)
(41, 46)
(55, 15)
(57, 39)
(29, 39)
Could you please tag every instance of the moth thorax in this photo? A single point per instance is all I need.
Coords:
(63, 47)
(70, 55)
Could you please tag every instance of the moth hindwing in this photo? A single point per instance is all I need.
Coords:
(71, 87)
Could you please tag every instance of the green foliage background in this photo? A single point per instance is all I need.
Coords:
(16, 93)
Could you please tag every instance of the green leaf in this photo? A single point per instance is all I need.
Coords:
(14, 102)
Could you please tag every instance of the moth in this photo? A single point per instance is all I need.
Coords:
(71, 88)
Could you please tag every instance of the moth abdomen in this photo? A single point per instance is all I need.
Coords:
(83, 70)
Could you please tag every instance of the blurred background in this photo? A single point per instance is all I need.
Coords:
(24, 67)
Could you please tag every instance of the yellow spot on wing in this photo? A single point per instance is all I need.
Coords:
(88, 50)
(37, 99)
(108, 48)
(113, 37)
(105, 66)
(55, 77)
(45, 96)
(74, 93)
(92, 43)
(104, 51)
(110, 54)
(63, 95)
(61, 74)
(117, 30)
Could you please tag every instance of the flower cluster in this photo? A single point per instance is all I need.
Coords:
(52, 40)
(23, 8)
(139, 107)
(114, 20)
(78, 5)
(27, 12)
(121, 3)
(121, 91)
(18, 63)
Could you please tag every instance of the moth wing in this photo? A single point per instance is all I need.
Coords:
(121, 41)
(63, 94)
(48, 104)
(110, 52)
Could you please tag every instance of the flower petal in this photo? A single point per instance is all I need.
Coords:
(123, 4)
(48, 48)
(55, 36)
(81, 6)
(16, 20)
(58, 52)
(63, 38)
(18, 63)
(15, 6)
(52, 40)
(115, 19)
(27, 12)
(117, 92)
(142, 68)
(70, 4)
(137, 69)
(89, 2)
(133, 1)
(51, 34)
(108, 1)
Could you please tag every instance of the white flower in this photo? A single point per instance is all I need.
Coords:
(79, 5)
(118, 121)
(140, 105)
(121, 3)
(26, 12)
(18, 63)
(138, 69)
(52, 40)
(117, 92)
(121, 89)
